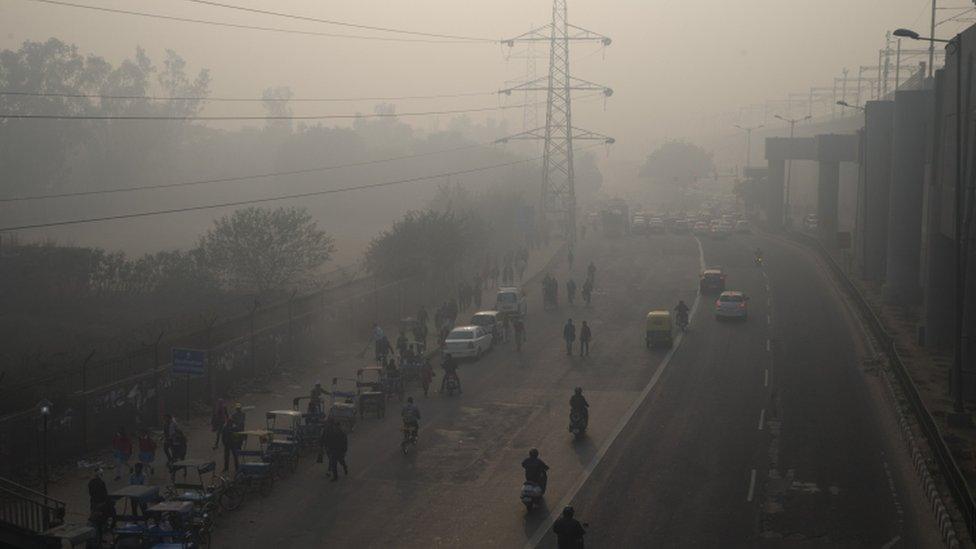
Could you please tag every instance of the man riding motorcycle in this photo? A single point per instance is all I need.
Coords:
(578, 403)
(449, 365)
(682, 313)
(536, 470)
(411, 417)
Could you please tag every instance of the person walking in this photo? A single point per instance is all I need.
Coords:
(585, 336)
(335, 443)
(228, 439)
(570, 258)
(97, 491)
(571, 290)
(169, 431)
(569, 336)
(147, 451)
(217, 420)
(426, 375)
(519, 327)
(121, 451)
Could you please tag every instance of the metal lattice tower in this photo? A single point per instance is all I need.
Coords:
(558, 196)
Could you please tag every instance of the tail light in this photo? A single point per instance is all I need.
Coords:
(742, 305)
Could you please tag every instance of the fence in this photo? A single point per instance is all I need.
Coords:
(91, 401)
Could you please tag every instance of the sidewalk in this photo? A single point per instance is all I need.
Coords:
(338, 362)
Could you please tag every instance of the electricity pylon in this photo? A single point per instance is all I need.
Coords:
(558, 198)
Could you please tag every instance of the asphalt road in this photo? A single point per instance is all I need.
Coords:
(801, 415)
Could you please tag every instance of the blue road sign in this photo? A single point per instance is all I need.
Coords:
(189, 361)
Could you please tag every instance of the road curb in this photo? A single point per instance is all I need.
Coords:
(921, 461)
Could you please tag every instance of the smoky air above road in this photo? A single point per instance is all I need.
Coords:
(486, 274)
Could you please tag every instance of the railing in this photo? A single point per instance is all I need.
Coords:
(958, 487)
(23, 508)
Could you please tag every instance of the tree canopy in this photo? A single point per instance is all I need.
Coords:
(262, 249)
(677, 163)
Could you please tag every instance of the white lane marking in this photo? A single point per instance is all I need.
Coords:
(891, 543)
(769, 320)
(766, 378)
(546, 524)
(762, 419)
(767, 345)
(752, 485)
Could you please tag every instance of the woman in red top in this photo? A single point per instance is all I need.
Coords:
(122, 450)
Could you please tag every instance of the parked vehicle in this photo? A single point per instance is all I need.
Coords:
(467, 342)
(371, 385)
(491, 321)
(743, 226)
(510, 300)
(656, 226)
(731, 304)
(700, 229)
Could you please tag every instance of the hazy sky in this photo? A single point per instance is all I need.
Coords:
(670, 62)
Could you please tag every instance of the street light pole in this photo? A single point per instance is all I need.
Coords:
(748, 131)
(789, 163)
(959, 412)
(45, 408)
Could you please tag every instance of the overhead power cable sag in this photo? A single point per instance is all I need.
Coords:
(274, 198)
(341, 23)
(253, 27)
(18, 93)
(240, 177)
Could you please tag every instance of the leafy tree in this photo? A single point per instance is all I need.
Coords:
(677, 163)
(262, 249)
(427, 243)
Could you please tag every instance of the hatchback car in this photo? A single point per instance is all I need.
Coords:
(731, 304)
(711, 280)
(491, 321)
(467, 342)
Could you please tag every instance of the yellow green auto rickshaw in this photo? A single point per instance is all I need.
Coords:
(658, 329)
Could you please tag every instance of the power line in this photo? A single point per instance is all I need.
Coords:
(270, 198)
(247, 27)
(340, 23)
(12, 116)
(236, 178)
(18, 93)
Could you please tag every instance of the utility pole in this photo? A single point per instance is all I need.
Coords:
(931, 42)
(887, 65)
(898, 64)
(558, 193)
(789, 164)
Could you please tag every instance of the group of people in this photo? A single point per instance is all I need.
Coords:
(585, 336)
(513, 263)
(227, 427)
(550, 286)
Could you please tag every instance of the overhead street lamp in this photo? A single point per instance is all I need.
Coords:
(789, 162)
(848, 105)
(748, 131)
(954, 44)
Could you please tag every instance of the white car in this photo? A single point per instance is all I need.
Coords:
(510, 300)
(731, 304)
(467, 342)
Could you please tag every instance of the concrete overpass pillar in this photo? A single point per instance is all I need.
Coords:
(910, 125)
(775, 182)
(872, 217)
(828, 188)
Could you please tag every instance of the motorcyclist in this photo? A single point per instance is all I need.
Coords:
(410, 416)
(682, 310)
(450, 366)
(536, 470)
(569, 532)
(578, 403)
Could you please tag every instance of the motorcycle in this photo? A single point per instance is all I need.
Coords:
(683, 321)
(409, 438)
(578, 420)
(531, 495)
(451, 384)
(759, 260)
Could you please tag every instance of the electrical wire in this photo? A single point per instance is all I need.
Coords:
(247, 27)
(275, 198)
(239, 99)
(340, 23)
(12, 116)
(237, 178)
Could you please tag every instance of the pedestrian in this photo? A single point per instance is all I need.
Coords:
(121, 451)
(521, 265)
(570, 257)
(569, 335)
(426, 375)
(402, 343)
(422, 316)
(335, 443)
(519, 326)
(217, 420)
(571, 290)
(169, 431)
(138, 475)
(506, 326)
(228, 439)
(147, 451)
(97, 491)
(585, 336)
(378, 341)
(179, 448)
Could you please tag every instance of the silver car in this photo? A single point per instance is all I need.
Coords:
(731, 304)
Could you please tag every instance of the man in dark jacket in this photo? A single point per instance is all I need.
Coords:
(569, 532)
(536, 470)
(569, 336)
(336, 443)
(585, 336)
